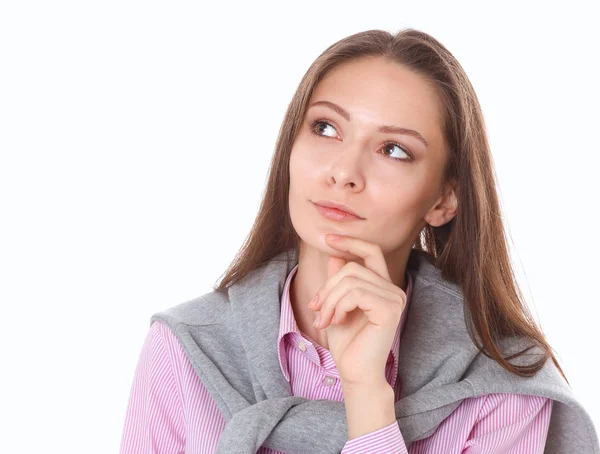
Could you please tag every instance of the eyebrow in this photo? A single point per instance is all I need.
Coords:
(383, 128)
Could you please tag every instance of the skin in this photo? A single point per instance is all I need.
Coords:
(352, 164)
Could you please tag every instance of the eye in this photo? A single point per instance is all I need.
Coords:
(391, 145)
(320, 125)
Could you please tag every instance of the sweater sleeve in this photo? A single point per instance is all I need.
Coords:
(387, 440)
(154, 420)
(511, 424)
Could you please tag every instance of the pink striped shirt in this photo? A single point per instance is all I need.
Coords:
(170, 411)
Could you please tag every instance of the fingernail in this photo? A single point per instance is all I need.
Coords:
(313, 302)
(316, 323)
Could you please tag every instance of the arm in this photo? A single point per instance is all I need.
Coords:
(511, 424)
(372, 425)
(154, 419)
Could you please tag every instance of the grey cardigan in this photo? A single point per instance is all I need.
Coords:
(231, 339)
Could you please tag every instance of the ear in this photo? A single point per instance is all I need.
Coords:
(445, 207)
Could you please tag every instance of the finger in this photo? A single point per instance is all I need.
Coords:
(347, 285)
(371, 253)
(356, 270)
(378, 310)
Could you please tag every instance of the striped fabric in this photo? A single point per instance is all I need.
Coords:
(170, 411)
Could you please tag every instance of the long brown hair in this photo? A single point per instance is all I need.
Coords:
(471, 249)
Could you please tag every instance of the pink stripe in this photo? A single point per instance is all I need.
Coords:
(170, 410)
(385, 440)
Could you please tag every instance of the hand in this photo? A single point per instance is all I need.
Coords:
(360, 307)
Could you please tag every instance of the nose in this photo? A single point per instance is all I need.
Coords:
(347, 171)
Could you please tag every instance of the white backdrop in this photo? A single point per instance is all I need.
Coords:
(135, 139)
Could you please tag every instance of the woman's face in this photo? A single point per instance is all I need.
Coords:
(343, 157)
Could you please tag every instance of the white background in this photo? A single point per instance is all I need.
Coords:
(135, 139)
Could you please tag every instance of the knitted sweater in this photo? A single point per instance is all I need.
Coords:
(228, 337)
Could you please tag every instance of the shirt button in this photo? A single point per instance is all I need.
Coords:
(329, 381)
(302, 346)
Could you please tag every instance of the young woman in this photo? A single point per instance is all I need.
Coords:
(383, 144)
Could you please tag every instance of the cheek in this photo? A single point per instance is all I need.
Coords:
(303, 166)
(295, 171)
(399, 206)
(300, 177)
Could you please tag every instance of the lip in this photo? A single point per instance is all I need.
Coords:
(336, 211)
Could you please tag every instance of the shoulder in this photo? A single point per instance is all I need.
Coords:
(162, 335)
(166, 351)
(207, 309)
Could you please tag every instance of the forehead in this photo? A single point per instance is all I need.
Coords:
(375, 90)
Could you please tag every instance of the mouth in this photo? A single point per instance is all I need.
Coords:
(336, 213)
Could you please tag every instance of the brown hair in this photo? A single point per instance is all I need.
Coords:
(470, 249)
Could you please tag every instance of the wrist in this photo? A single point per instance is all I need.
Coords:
(368, 408)
(371, 387)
